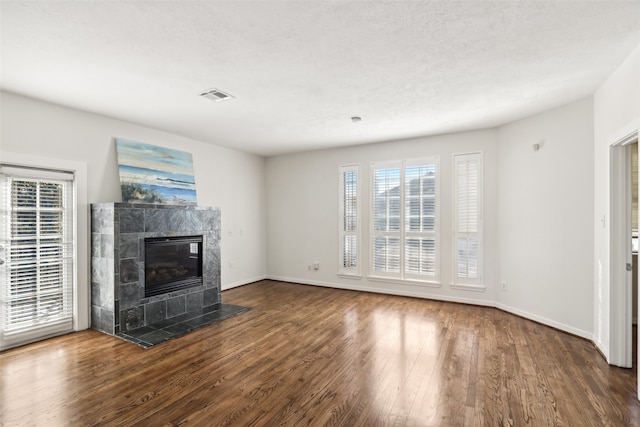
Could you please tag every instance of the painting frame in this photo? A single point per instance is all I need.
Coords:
(152, 174)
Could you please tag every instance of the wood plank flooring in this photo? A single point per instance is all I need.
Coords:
(314, 356)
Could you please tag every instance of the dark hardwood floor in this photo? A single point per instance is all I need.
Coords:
(314, 356)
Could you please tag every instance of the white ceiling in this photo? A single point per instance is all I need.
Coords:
(300, 69)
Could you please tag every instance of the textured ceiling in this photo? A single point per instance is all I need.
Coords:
(300, 70)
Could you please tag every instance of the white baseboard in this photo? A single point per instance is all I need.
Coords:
(226, 286)
(354, 287)
(602, 349)
(540, 319)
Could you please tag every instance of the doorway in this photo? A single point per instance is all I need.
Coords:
(635, 181)
(37, 238)
(623, 307)
(81, 297)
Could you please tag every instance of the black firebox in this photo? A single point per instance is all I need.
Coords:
(172, 264)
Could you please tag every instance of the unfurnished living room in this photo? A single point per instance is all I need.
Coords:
(346, 213)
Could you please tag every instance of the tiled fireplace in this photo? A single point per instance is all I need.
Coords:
(118, 233)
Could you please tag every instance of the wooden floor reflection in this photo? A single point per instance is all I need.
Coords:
(315, 356)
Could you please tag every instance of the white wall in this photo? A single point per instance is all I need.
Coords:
(545, 217)
(616, 111)
(542, 209)
(537, 216)
(303, 213)
(225, 178)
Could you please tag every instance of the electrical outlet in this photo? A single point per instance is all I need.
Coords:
(504, 286)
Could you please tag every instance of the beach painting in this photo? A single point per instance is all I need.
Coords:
(157, 175)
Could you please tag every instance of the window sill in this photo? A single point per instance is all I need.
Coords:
(468, 287)
(423, 283)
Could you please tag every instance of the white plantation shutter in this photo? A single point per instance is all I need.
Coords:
(467, 211)
(36, 236)
(405, 223)
(420, 219)
(386, 219)
(349, 262)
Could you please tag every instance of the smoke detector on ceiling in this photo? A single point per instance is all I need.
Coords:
(216, 95)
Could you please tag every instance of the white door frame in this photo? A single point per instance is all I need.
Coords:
(82, 282)
(620, 280)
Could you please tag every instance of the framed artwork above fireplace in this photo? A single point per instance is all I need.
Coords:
(157, 175)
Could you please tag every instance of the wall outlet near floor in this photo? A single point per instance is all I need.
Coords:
(504, 286)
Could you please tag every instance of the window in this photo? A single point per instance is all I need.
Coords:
(405, 220)
(468, 218)
(37, 240)
(349, 263)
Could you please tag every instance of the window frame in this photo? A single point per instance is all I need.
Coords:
(81, 291)
(459, 282)
(349, 272)
(403, 276)
(53, 252)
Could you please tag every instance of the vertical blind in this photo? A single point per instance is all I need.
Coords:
(467, 215)
(349, 256)
(36, 236)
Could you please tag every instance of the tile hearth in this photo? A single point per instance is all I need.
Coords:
(148, 336)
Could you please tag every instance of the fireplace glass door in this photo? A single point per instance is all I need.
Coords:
(172, 264)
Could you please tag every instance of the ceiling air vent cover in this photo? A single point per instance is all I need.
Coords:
(215, 95)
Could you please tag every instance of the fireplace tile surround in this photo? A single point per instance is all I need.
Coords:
(118, 305)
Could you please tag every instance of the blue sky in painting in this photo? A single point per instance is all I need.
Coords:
(166, 172)
(151, 157)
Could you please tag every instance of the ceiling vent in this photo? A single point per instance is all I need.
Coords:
(215, 95)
